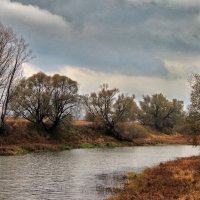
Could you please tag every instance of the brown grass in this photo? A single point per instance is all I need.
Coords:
(82, 123)
(178, 179)
(23, 135)
(88, 134)
(131, 131)
(176, 139)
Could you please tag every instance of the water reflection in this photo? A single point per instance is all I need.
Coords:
(78, 174)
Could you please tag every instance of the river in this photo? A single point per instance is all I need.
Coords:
(79, 174)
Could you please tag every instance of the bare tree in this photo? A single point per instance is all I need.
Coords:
(109, 108)
(13, 53)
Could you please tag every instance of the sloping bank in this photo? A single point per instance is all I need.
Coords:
(23, 138)
(179, 179)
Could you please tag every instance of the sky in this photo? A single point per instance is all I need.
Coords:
(139, 46)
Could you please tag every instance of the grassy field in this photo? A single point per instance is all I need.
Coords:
(179, 179)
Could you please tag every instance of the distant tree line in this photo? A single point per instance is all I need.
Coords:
(47, 101)
(109, 108)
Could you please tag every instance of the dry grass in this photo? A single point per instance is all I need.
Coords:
(21, 132)
(7, 150)
(23, 135)
(82, 123)
(176, 139)
(141, 135)
(178, 180)
(79, 135)
(131, 131)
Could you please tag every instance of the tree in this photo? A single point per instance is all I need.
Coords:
(125, 108)
(194, 107)
(160, 113)
(31, 98)
(45, 100)
(13, 53)
(109, 108)
(64, 99)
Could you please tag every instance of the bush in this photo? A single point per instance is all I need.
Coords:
(184, 128)
(130, 131)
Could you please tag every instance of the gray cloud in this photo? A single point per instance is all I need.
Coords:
(122, 36)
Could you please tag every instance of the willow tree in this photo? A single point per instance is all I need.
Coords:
(45, 100)
(160, 113)
(31, 98)
(13, 53)
(64, 99)
(108, 107)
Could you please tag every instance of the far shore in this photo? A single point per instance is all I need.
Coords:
(23, 139)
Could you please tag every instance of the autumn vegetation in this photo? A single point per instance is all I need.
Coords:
(42, 112)
(178, 179)
(46, 109)
(44, 100)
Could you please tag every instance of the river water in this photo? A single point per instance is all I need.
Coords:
(78, 174)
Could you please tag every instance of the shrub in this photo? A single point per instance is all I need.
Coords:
(184, 128)
(130, 131)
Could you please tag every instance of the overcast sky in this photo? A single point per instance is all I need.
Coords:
(139, 46)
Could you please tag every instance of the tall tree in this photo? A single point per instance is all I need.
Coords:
(64, 99)
(13, 53)
(45, 100)
(31, 98)
(160, 113)
(109, 108)
(194, 107)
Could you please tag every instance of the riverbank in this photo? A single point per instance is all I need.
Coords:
(179, 179)
(23, 138)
